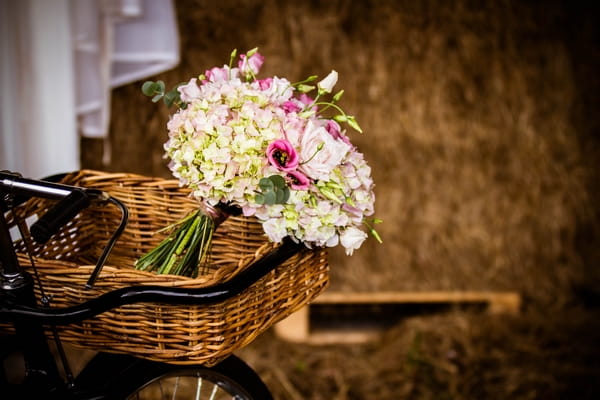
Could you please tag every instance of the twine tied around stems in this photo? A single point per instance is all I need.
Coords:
(218, 212)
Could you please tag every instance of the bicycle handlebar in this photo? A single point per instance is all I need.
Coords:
(57, 216)
(13, 183)
(73, 199)
(159, 294)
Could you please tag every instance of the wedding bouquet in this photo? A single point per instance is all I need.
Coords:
(268, 148)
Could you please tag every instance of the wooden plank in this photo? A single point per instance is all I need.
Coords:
(299, 327)
(498, 301)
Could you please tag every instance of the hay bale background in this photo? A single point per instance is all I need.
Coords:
(471, 128)
(481, 128)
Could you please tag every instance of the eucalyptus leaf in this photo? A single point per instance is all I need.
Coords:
(172, 97)
(286, 195)
(279, 197)
(270, 198)
(266, 184)
(259, 198)
(278, 181)
(148, 88)
(169, 102)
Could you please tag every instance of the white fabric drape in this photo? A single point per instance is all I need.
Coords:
(117, 42)
(60, 60)
(38, 121)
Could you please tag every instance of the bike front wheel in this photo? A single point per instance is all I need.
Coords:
(230, 379)
(117, 377)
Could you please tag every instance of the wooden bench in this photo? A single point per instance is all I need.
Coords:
(360, 317)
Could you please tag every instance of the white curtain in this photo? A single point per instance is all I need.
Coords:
(61, 58)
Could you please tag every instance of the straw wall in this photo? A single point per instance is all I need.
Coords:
(478, 121)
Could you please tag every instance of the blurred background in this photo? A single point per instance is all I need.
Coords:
(481, 127)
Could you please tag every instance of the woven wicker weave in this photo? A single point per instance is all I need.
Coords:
(181, 334)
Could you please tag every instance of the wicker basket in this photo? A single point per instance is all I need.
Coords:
(168, 333)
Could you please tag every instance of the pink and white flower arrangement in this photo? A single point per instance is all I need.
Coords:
(267, 147)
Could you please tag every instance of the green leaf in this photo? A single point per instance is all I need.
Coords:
(286, 195)
(259, 198)
(265, 184)
(169, 99)
(270, 198)
(160, 86)
(280, 197)
(148, 88)
(278, 181)
(172, 97)
(157, 98)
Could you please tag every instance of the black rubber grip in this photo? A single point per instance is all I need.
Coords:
(61, 213)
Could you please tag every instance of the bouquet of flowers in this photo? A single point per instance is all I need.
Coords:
(268, 148)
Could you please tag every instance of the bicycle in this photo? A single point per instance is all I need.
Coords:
(107, 375)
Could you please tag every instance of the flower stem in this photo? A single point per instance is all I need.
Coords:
(185, 236)
(184, 249)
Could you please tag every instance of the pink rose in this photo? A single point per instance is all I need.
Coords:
(334, 130)
(320, 152)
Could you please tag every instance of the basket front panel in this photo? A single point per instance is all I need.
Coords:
(205, 334)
